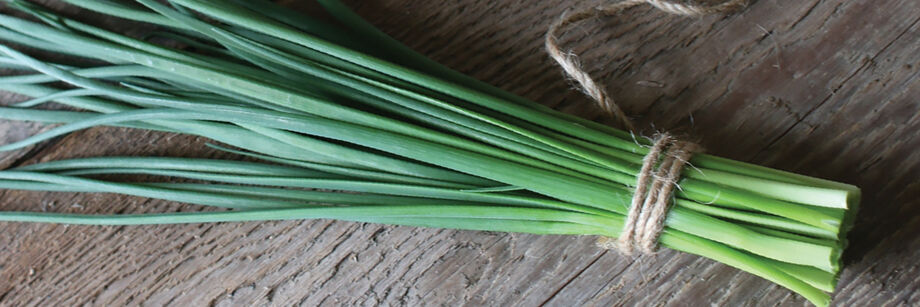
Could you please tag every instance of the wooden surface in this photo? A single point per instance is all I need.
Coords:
(825, 88)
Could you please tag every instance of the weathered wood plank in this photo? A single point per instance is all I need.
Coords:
(826, 88)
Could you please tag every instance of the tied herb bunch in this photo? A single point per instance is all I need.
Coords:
(352, 125)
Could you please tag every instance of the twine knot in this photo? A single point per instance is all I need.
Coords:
(662, 166)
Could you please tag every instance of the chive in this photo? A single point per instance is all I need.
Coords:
(361, 128)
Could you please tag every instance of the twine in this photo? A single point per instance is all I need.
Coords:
(652, 196)
(662, 166)
(572, 67)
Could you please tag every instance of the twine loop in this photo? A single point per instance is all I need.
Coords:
(662, 166)
(655, 184)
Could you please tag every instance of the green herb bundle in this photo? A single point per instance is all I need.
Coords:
(344, 108)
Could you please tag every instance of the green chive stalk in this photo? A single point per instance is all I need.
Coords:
(345, 108)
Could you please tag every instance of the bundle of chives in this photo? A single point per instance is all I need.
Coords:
(415, 143)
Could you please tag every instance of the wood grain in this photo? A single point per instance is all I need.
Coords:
(825, 88)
